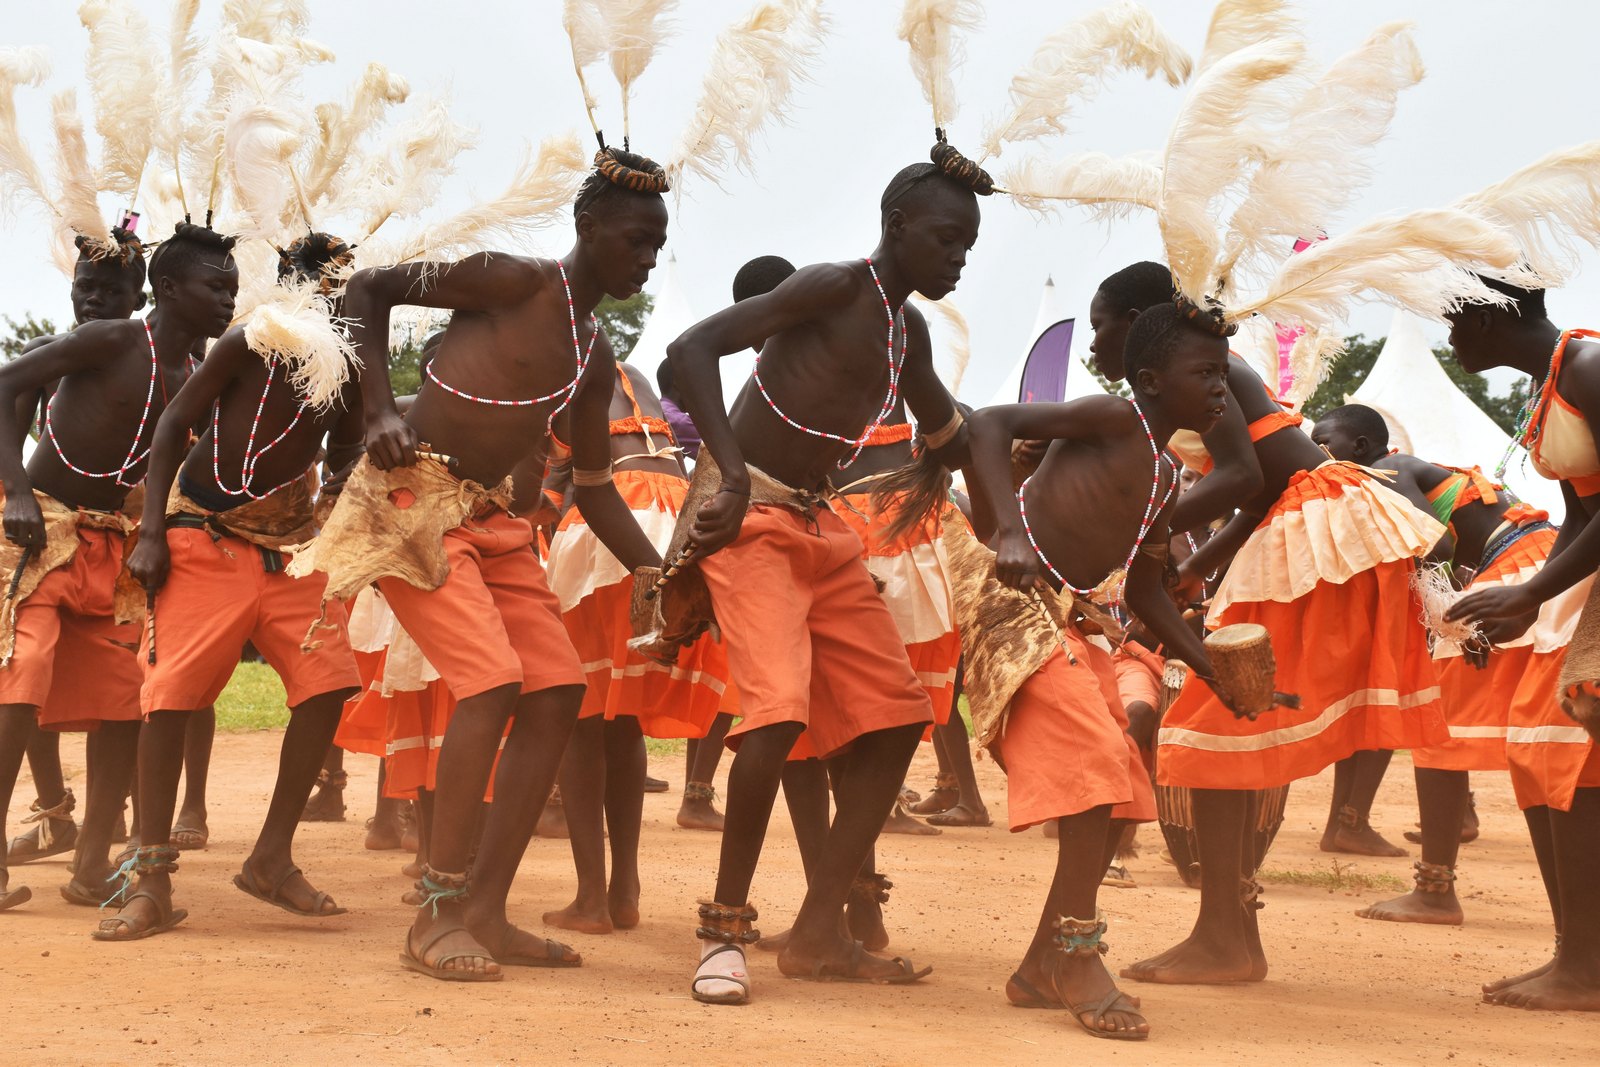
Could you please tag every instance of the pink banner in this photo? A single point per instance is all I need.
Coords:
(1288, 335)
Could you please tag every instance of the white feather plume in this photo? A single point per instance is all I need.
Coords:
(586, 35)
(542, 188)
(77, 202)
(1070, 64)
(266, 20)
(184, 66)
(754, 66)
(341, 128)
(1550, 206)
(20, 173)
(1237, 24)
(932, 28)
(1108, 188)
(959, 342)
(1310, 358)
(634, 30)
(260, 141)
(401, 177)
(296, 325)
(1321, 156)
(1213, 144)
(126, 83)
(1422, 262)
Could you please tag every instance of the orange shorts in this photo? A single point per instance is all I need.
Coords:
(494, 621)
(71, 660)
(1065, 746)
(219, 595)
(809, 638)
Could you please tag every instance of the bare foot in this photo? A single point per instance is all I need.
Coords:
(843, 959)
(1439, 909)
(1196, 961)
(1084, 980)
(383, 832)
(327, 803)
(1252, 941)
(696, 813)
(582, 916)
(1554, 990)
(961, 815)
(623, 905)
(1491, 988)
(944, 796)
(775, 943)
(901, 822)
(1361, 841)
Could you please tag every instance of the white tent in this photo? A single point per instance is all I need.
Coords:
(1431, 419)
(1080, 382)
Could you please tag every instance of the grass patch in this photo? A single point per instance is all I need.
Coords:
(664, 747)
(1337, 876)
(253, 700)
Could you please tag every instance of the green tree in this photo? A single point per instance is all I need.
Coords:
(1360, 354)
(623, 321)
(17, 334)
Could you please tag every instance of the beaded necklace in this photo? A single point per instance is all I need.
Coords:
(896, 317)
(1151, 510)
(134, 456)
(247, 471)
(567, 391)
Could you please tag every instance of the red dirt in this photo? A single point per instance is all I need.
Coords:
(240, 982)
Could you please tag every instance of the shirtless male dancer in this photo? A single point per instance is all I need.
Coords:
(1555, 764)
(812, 647)
(108, 287)
(211, 559)
(1233, 476)
(1496, 540)
(1063, 743)
(521, 346)
(115, 378)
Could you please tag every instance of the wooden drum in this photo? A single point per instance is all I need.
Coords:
(1242, 657)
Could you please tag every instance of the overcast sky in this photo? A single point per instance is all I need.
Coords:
(1503, 88)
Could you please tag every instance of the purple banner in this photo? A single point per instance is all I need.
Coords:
(1044, 375)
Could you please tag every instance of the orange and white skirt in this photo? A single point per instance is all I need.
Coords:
(596, 591)
(1328, 573)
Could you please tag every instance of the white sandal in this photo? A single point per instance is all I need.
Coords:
(724, 929)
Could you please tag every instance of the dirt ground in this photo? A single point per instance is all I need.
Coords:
(241, 983)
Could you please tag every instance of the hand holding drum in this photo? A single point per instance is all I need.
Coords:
(1241, 655)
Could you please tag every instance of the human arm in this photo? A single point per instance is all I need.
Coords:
(150, 561)
(478, 283)
(82, 350)
(346, 443)
(1212, 556)
(1147, 599)
(809, 293)
(594, 493)
(927, 397)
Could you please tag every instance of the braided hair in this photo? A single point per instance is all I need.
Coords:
(618, 174)
(316, 257)
(948, 166)
(188, 246)
(123, 249)
(1156, 333)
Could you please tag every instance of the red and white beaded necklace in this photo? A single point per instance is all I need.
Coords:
(896, 317)
(1151, 509)
(567, 391)
(134, 457)
(247, 471)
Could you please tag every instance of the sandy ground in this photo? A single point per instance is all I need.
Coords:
(243, 983)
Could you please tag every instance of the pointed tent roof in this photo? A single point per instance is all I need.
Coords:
(1052, 310)
(1431, 419)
